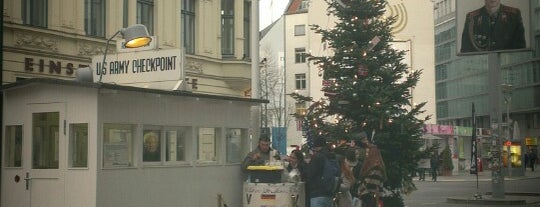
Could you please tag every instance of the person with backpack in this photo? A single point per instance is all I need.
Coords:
(320, 184)
(372, 174)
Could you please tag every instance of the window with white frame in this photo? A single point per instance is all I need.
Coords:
(301, 108)
(78, 145)
(94, 17)
(188, 25)
(300, 30)
(118, 145)
(145, 14)
(234, 139)
(207, 145)
(300, 80)
(13, 146)
(175, 143)
(34, 12)
(300, 55)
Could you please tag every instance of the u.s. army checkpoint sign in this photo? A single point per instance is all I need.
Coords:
(150, 69)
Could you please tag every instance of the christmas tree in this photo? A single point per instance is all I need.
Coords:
(367, 88)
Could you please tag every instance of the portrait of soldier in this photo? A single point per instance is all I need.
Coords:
(495, 26)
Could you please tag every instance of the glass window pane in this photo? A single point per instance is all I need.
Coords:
(145, 14)
(176, 144)
(151, 146)
(13, 146)
(227, 27)
(34, 12)
(78, 145)
(188, 21)
(207, 144)
(94, 17)
(234, 144)
(45, 144)
(299, 30)
(117, 145)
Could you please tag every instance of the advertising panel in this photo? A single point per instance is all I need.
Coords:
(492, 26)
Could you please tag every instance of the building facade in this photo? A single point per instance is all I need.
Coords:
(55, 37)
(57, 141)
(463, 80)
(413, 32)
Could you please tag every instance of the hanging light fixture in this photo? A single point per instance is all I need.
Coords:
(136, 36)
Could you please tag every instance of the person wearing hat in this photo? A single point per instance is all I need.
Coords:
(314, 186)
(260, 155)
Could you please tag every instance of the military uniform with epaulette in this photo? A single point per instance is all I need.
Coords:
(500, 31)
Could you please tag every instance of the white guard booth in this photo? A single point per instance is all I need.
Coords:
(70, 144)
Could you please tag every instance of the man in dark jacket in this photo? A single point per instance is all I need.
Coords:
(261, 155)
(317, 196)
(493, 27)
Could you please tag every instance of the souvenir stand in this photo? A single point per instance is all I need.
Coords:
(271, 186)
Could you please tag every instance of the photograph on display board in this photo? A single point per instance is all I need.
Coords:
(492, 26)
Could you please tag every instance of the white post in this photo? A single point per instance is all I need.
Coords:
(255, 73)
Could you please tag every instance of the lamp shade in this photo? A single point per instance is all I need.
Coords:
(136, 36)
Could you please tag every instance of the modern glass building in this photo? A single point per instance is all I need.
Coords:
(463, 80)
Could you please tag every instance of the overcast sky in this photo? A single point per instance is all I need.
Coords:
(270, 11)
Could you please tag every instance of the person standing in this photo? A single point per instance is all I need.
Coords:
(297, 168)
(493, 27)
(260, 155)
(346, 163)
(315, 186)
(434, 165)
(297, 165)
(526, 159)
(372, 174)
(532, 159)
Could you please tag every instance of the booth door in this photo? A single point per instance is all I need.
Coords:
(45, 155)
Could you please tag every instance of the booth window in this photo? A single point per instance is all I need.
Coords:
(176, 143)
(234, 138)
(45, 140)
(207, 145)
(151, 145)
(13, 156)
(78, 145)
(117, 145)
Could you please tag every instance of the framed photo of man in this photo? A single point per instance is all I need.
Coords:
(485, 26)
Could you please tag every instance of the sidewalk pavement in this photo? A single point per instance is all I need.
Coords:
(486, 176)
(510, 198)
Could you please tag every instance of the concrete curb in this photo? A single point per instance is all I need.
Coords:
(486, 201)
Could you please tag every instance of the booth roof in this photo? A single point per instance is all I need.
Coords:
(55, 81)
